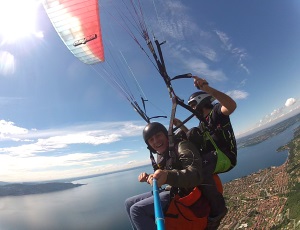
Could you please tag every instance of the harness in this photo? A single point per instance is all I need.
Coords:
(223, 162)
(191, 211)
(223, 133)
(187, 209)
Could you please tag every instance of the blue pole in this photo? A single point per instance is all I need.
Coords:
(159, 216)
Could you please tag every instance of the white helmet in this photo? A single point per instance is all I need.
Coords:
(199, 99)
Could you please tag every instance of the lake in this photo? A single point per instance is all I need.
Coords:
(100, 203)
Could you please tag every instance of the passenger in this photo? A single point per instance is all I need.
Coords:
(215, 138)
(182, 171)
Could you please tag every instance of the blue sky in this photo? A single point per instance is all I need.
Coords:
(60, 118)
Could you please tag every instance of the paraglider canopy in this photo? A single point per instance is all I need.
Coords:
(78, 24)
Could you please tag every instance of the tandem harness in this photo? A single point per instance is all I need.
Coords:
(185, 211)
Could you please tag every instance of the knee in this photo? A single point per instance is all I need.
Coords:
(135, 211)
(132, 207)
(128, 204)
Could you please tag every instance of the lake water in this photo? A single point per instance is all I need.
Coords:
(100, 203)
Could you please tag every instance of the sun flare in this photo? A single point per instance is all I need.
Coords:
(17, 19)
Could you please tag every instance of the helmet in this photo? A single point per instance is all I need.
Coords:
(199, 99)
(151, 129)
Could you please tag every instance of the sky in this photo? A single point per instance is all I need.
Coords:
(61, 118)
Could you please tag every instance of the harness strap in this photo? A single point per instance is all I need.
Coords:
(223, 162)
(153, 162)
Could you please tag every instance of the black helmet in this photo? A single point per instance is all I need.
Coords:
(200, 99)
(151, 129)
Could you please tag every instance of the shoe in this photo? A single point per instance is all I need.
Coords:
(214, 222)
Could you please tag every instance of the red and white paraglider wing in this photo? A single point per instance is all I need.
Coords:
(78, 24)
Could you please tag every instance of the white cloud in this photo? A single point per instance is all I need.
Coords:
(290, 102)
(188, 42)
(47, 141)
(19, 169)
(224, 39)
(242, 83)
(275, 112)
(209, 53)
(8, 130)
(173, 21)
(7, 63)
(198, 67)
(239, 53)
(291, 108)
(274, 116)
(61, 166)
(52, 150)
(237, 94)
(245, 68)
(60, 142)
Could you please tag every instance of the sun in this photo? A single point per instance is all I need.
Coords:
(17, 19)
